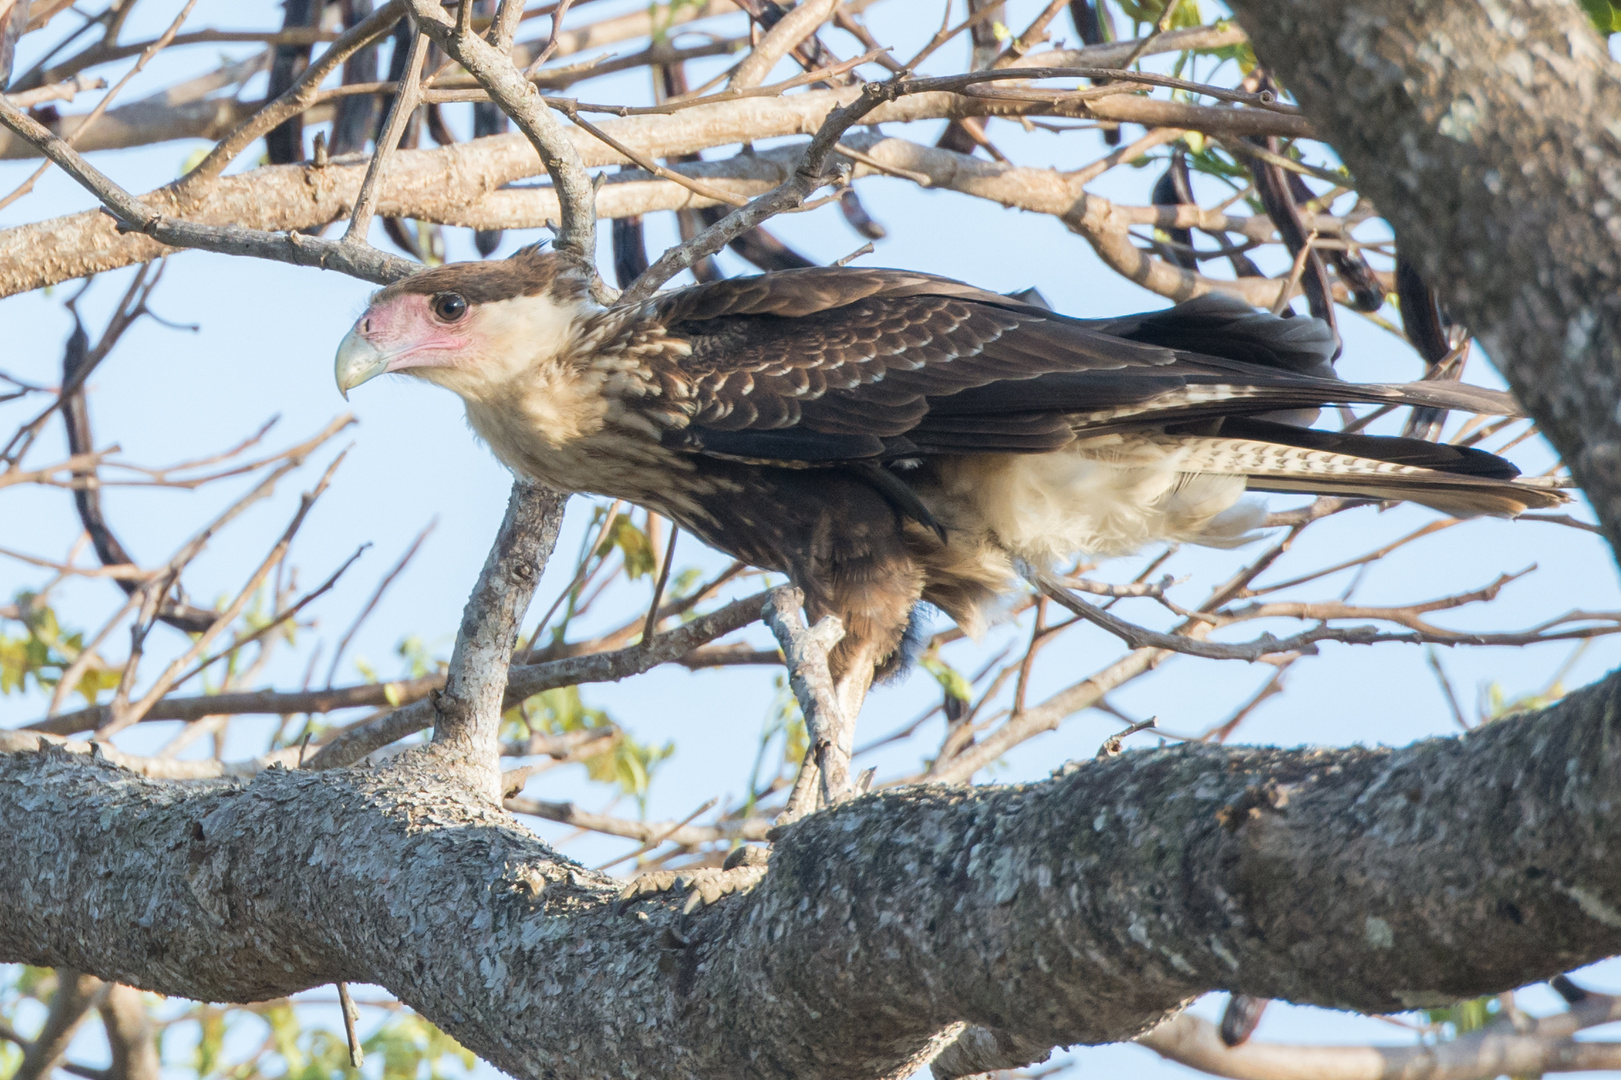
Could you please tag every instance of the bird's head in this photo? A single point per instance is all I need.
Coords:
(470, 327)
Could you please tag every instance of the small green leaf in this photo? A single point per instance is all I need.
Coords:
(1605, 15)
(952, 681)
(633, 546)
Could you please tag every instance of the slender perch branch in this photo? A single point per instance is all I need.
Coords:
(468, 710)
(831, 732)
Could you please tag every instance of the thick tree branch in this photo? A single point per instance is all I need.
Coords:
(1045, 911)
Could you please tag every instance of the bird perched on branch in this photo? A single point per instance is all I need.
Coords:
(885, 437)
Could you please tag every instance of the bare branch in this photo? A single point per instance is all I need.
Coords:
(468, 711)
(800, 22)
(831, 732)
(519, 100)
(531, 679)
(122, 718)
(399, 114)
(62, 91)
(1498, 1050)
(643, 831)
(298, 97)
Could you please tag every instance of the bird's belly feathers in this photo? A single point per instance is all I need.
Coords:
(1108, 495)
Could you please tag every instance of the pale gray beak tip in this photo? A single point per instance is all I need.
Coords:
(358, 361)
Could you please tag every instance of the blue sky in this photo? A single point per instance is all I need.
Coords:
(265, 344)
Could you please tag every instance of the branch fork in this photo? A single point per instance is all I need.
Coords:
(824, 778)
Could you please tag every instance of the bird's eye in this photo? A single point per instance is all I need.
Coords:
(449, 306)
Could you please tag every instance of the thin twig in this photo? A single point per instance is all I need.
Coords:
(405, 103)
(377, 594)
(658, 590)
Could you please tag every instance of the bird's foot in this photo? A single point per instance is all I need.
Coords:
(741, 871)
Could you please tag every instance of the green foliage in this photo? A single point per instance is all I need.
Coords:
(1465, 1016)
(633, 545)
(1604, 14)
(420, 661)
(1187, 13)
(625, 762)
(1495, 703)
(43, 651)
(783, 721)
(682, 584)
(1243, 54)
(664, 16)
(953, 682)
(1206, 157)
(210, 1048)
(409, 1047)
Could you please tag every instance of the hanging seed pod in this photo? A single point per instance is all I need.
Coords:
(1367, 294)
(858, 218)
(1175, 189)
(1094, 29)
(1241, 1017)
(284, 143)
(356, 120)
(630, 250)
(488, 119)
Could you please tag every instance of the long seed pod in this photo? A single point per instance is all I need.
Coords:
(87, 496)
(284, 144)
(1175, 189)
(1094, 28)
(759, 246)
(962, 136)
(1272, 185)
(488, 119)
(437, 127)
(630, 250)
(1427, 327)
(1367, 294)
(357, 114)
(1241, 1017)
(858, 218)
(1422, 319)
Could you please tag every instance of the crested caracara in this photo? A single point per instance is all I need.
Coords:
(885, 437)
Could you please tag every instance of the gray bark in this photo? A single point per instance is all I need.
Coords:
(1081, 909)
(1486, 133)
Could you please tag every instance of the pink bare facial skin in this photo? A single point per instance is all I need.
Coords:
(405, 330)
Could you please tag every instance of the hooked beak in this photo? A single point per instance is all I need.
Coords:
(358, 360)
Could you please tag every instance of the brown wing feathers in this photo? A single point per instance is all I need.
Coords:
(820, 366)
